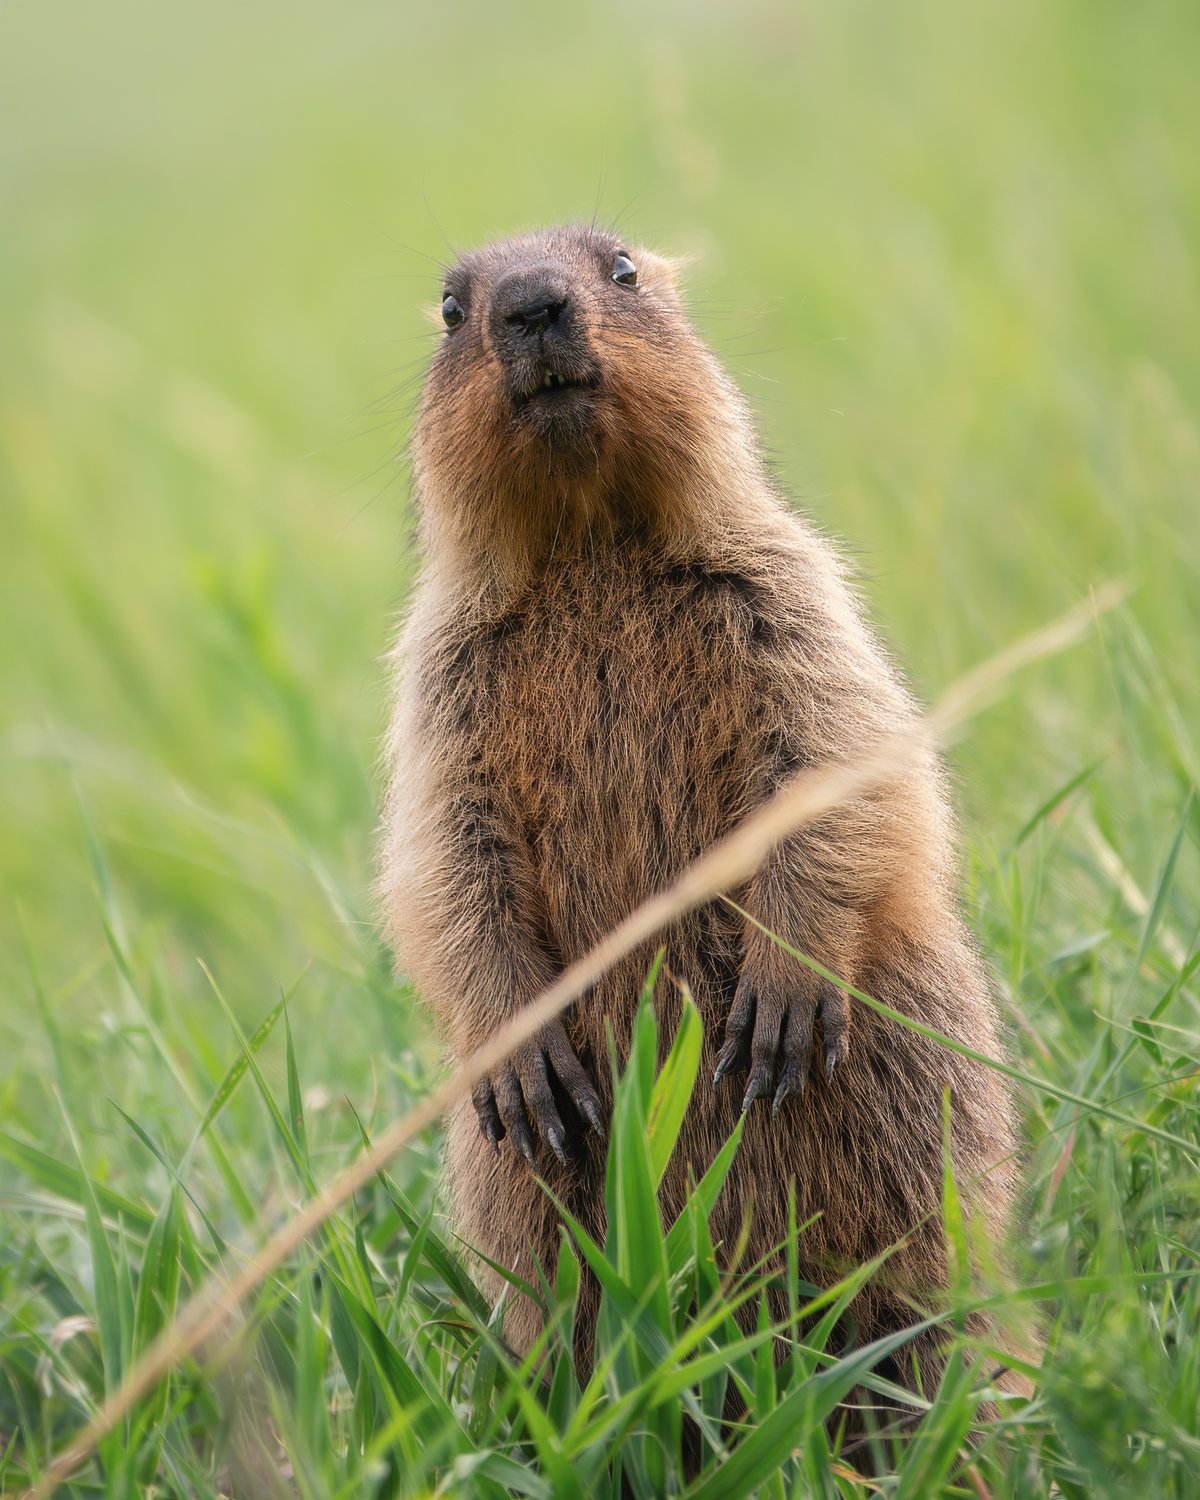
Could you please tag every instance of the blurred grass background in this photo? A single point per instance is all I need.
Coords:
(948, 251)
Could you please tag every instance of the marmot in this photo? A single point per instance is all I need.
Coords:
(622, 640)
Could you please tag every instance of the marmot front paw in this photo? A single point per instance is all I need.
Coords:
(519, 1094)
(770, 1029)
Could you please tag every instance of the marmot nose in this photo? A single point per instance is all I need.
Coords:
(538, 314)
(527, 304)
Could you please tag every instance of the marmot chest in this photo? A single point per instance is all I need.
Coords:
(623, 723)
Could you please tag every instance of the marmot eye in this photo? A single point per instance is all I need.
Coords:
(452, 313)
(624, 272)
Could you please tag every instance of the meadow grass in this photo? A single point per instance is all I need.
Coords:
(949, 252)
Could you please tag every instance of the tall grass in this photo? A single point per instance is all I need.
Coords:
(949, 253)
(362, 1371)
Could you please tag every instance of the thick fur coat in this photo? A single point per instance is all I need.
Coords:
(622, 641)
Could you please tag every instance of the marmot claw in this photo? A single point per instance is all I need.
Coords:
(520, 1095)
(772, 1034)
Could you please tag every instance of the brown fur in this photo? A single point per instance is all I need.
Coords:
(621, 642)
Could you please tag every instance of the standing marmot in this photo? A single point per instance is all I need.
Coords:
(623, 641)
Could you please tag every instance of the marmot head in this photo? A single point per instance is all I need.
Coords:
(568, 391)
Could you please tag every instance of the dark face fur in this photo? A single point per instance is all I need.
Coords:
(568, 387)
(527, 308)
(534, 310)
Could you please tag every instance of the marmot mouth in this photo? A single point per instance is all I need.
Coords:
(554, 380)
(557, 407)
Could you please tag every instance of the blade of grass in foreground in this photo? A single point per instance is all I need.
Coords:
(673, 1089)
(113, 1298)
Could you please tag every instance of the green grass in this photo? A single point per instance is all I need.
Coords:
(949, 252)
